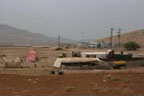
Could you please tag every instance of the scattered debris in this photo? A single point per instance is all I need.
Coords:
(62, 55)
(29, 80)
(34, 82)
(57, 72)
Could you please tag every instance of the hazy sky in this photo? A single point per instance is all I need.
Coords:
(71, 17)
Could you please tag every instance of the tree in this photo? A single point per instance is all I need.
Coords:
(131, 45)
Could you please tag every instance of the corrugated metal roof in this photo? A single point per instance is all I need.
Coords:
(58, 61)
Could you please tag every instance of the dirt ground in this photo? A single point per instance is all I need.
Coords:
(76, 84)
(39, 81)
(47, 56)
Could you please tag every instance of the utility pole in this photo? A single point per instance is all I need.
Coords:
(82, 38)
(119, 36)
(143, 41)
(111, 38)
(59, 40)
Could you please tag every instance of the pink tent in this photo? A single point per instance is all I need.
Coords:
(31, 56)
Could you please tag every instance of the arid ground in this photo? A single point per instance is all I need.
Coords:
(39, 82)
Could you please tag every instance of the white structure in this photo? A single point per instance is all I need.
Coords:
(94, 54)
(59, 61)
(82, 44)
(92, 44)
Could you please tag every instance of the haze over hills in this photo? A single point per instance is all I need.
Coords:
(11, 35)
(136, 36)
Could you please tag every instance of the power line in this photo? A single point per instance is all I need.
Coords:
(82, 38)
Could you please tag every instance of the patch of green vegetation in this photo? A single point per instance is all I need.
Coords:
(127, 80)
(131, 46)
(96, 88)
(70, 88)
(112, 78)
(58, 48)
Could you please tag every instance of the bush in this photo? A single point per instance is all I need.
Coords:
(58, 48)
(112, 78)
(131, 46)
(70, 88)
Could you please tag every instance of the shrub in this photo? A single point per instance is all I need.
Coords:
(96, 88)
(58, 48)
(70, 88)
(131, 46)
(112, 78)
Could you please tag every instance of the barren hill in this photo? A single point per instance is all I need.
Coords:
(11, 35)
(136, 36)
